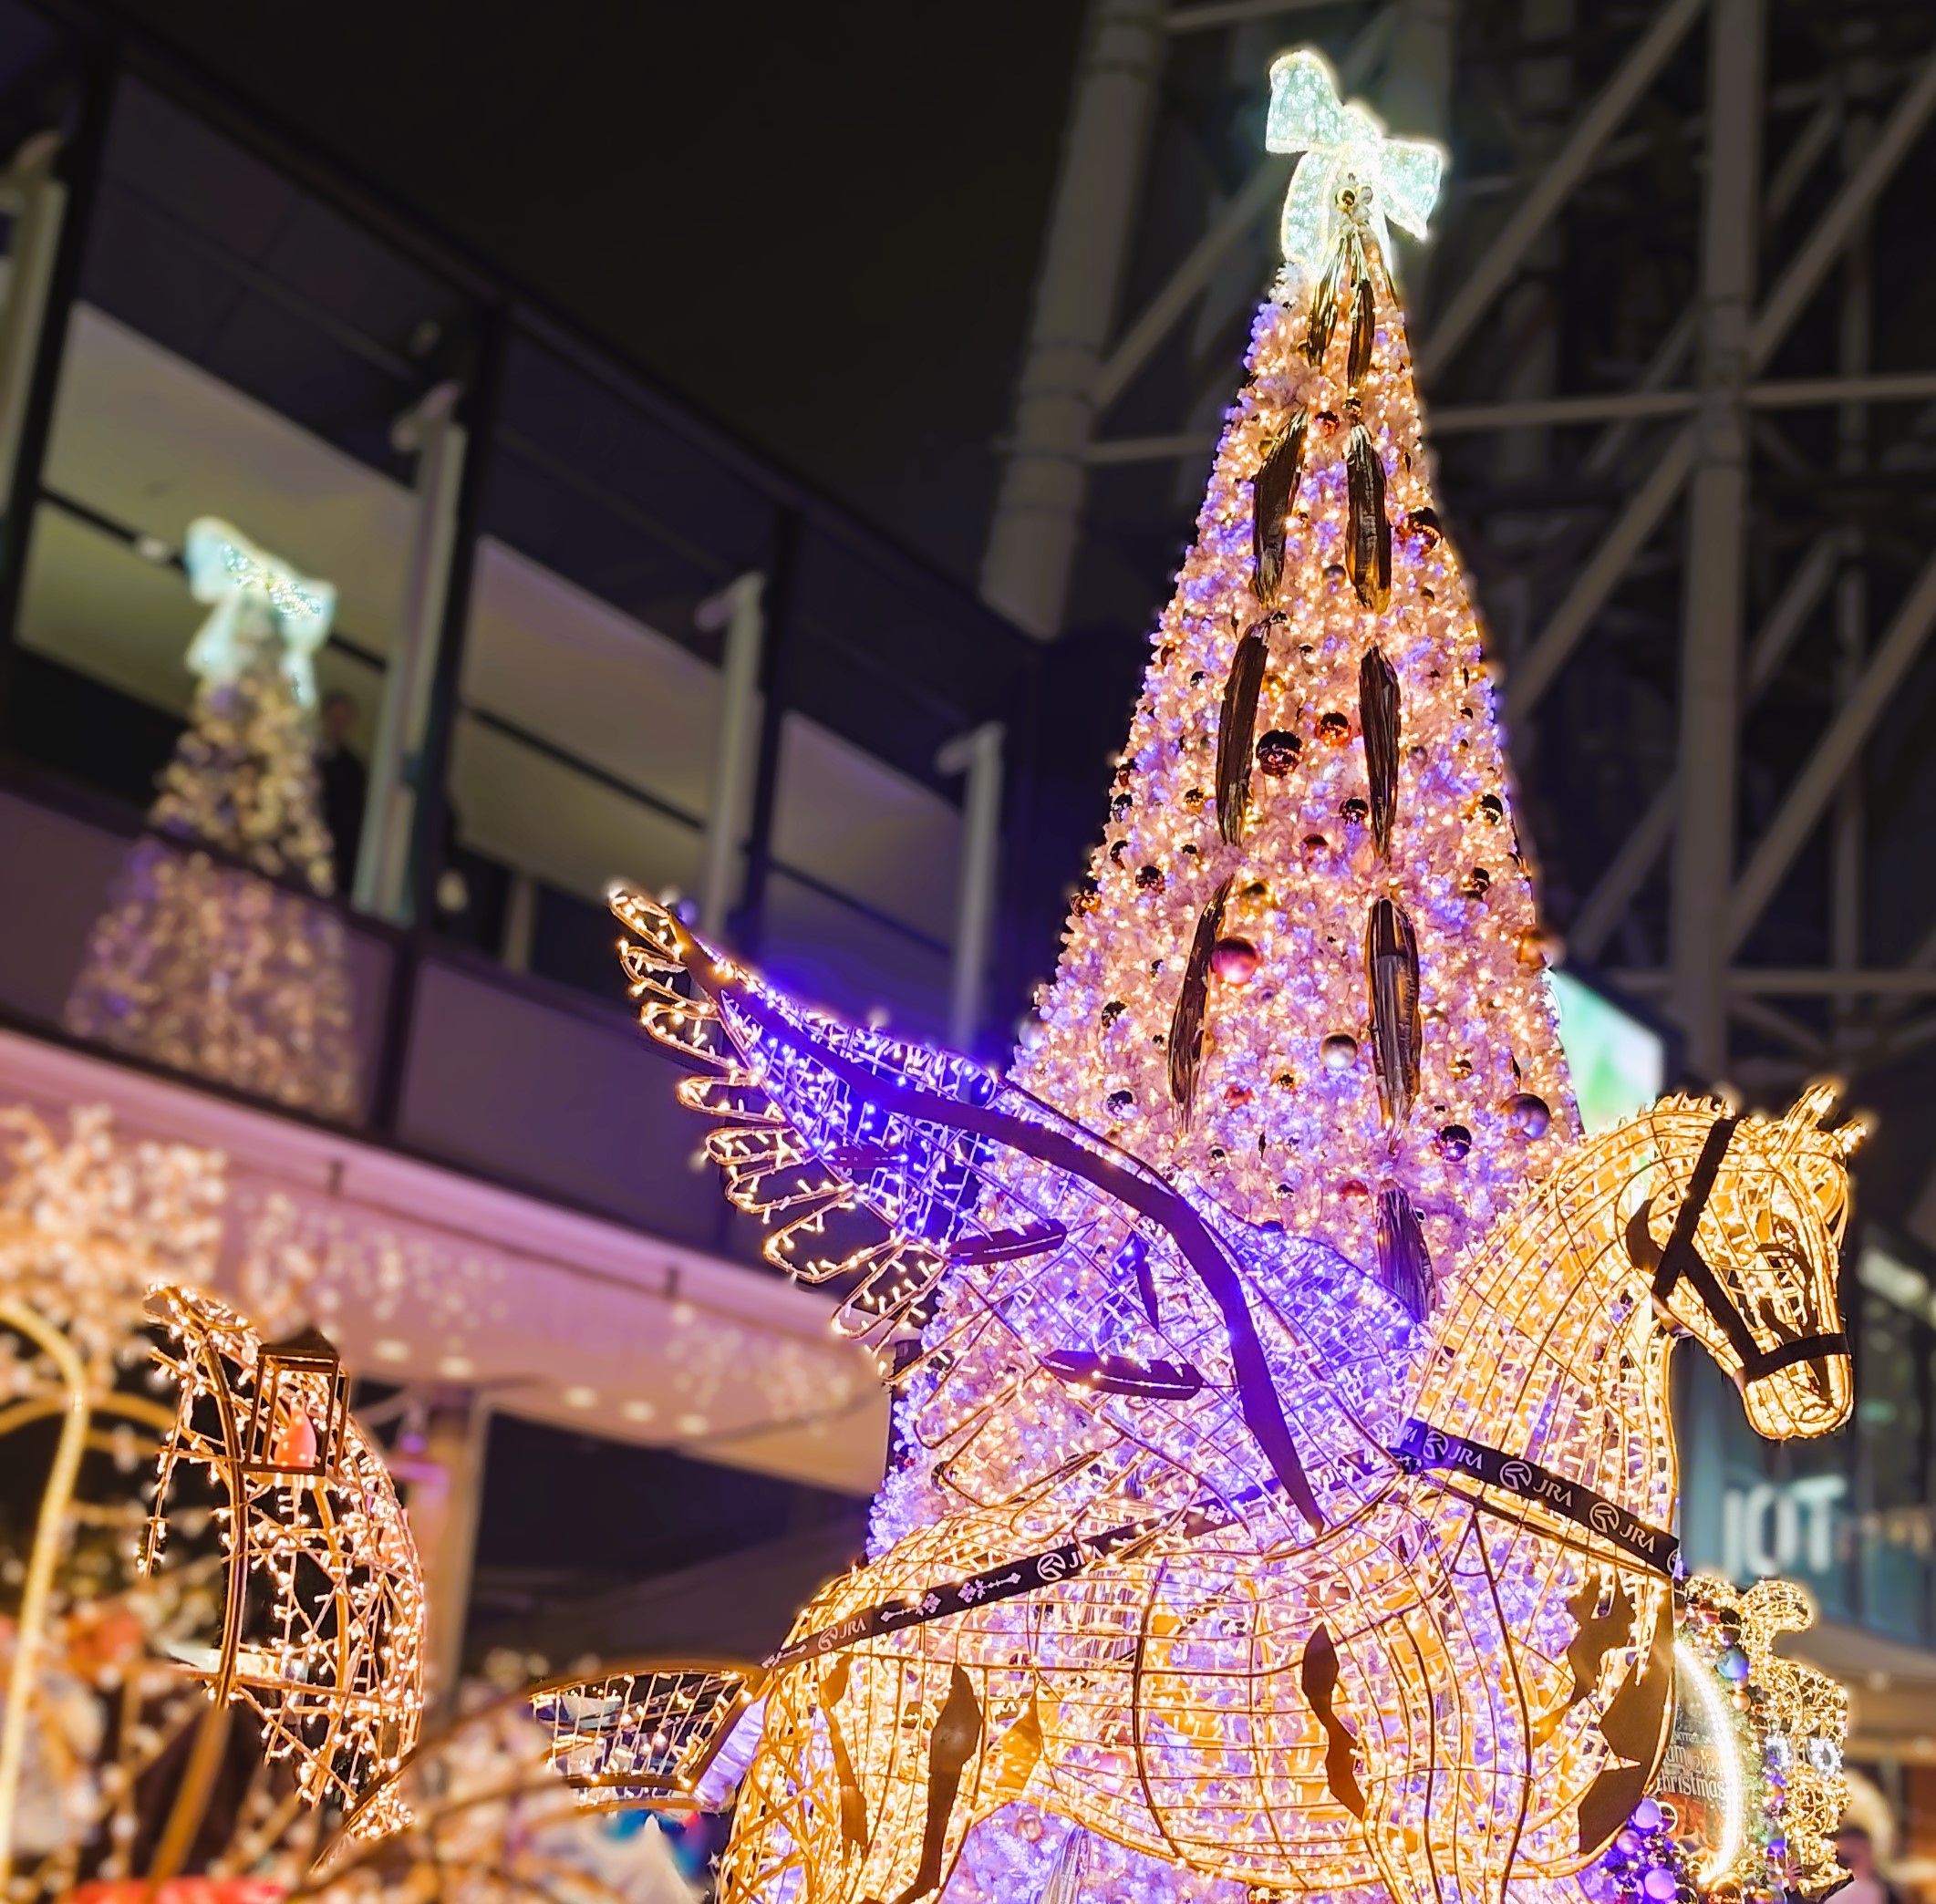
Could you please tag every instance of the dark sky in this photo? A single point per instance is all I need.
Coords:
(819, 223)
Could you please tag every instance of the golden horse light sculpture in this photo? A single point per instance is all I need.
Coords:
(1214, 1551)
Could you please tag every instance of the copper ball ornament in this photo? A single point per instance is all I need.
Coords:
(1277, 752)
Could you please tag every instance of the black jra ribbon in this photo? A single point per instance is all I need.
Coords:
(1424, 1447)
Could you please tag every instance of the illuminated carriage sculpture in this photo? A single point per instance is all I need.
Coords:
(322, 1613)
(292, 1554)
(1282, 1379)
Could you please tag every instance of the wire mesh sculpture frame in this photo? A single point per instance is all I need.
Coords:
(1380, 1649)
(488, 1818)
(323, 1623)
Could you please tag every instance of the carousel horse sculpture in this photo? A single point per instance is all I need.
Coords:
(1211, 1548)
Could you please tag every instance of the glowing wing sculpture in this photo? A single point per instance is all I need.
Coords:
(1086, 1301)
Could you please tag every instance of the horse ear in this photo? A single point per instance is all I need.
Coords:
(1811, 1110)
(1846, 1139)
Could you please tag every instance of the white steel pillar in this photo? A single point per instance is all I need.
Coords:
(1704, 868)
(1038, 507)
(978, 755)
(38, 201)
(737, 610)
(446, 1492)
(383, 858)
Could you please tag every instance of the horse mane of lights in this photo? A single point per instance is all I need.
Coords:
(1286, 1475)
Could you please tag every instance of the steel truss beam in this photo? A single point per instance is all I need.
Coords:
(1637, 405)
(1262, 190)
(1793, 982)
(1556, 179)
(1624, 877)
(1630, 531)
(1808, 797)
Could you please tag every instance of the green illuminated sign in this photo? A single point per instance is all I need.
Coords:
(1618, 1066)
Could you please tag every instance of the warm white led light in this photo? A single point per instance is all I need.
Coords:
(258, 603)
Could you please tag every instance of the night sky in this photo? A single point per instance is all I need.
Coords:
(819, 225)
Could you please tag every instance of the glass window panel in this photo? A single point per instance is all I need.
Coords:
(866, 968)
(1751, 1509)
(222, 259)
(571, 1100)
(96, 605)
(237, 350)
(585, 748)
(556, 661)
(146, 441)
(1889, 1410)
(68, 872)
(850, 822)
(538, 814)
(895, 659)
(606, 495)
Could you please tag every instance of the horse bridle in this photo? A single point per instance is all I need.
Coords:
(1681, 1260)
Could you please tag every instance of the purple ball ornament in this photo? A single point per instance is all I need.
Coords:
(1528, 1115)
(1647, 1815)
(1660, 1885)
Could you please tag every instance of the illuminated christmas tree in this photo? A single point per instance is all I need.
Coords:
(210, 958)
(1306, 972)
(1284, 1479)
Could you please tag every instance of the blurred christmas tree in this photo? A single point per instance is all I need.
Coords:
(211, 958)
(1307, 971)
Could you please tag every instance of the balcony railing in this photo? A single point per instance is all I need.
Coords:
(581, 635)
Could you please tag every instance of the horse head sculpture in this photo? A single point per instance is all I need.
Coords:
(1744, 1254)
